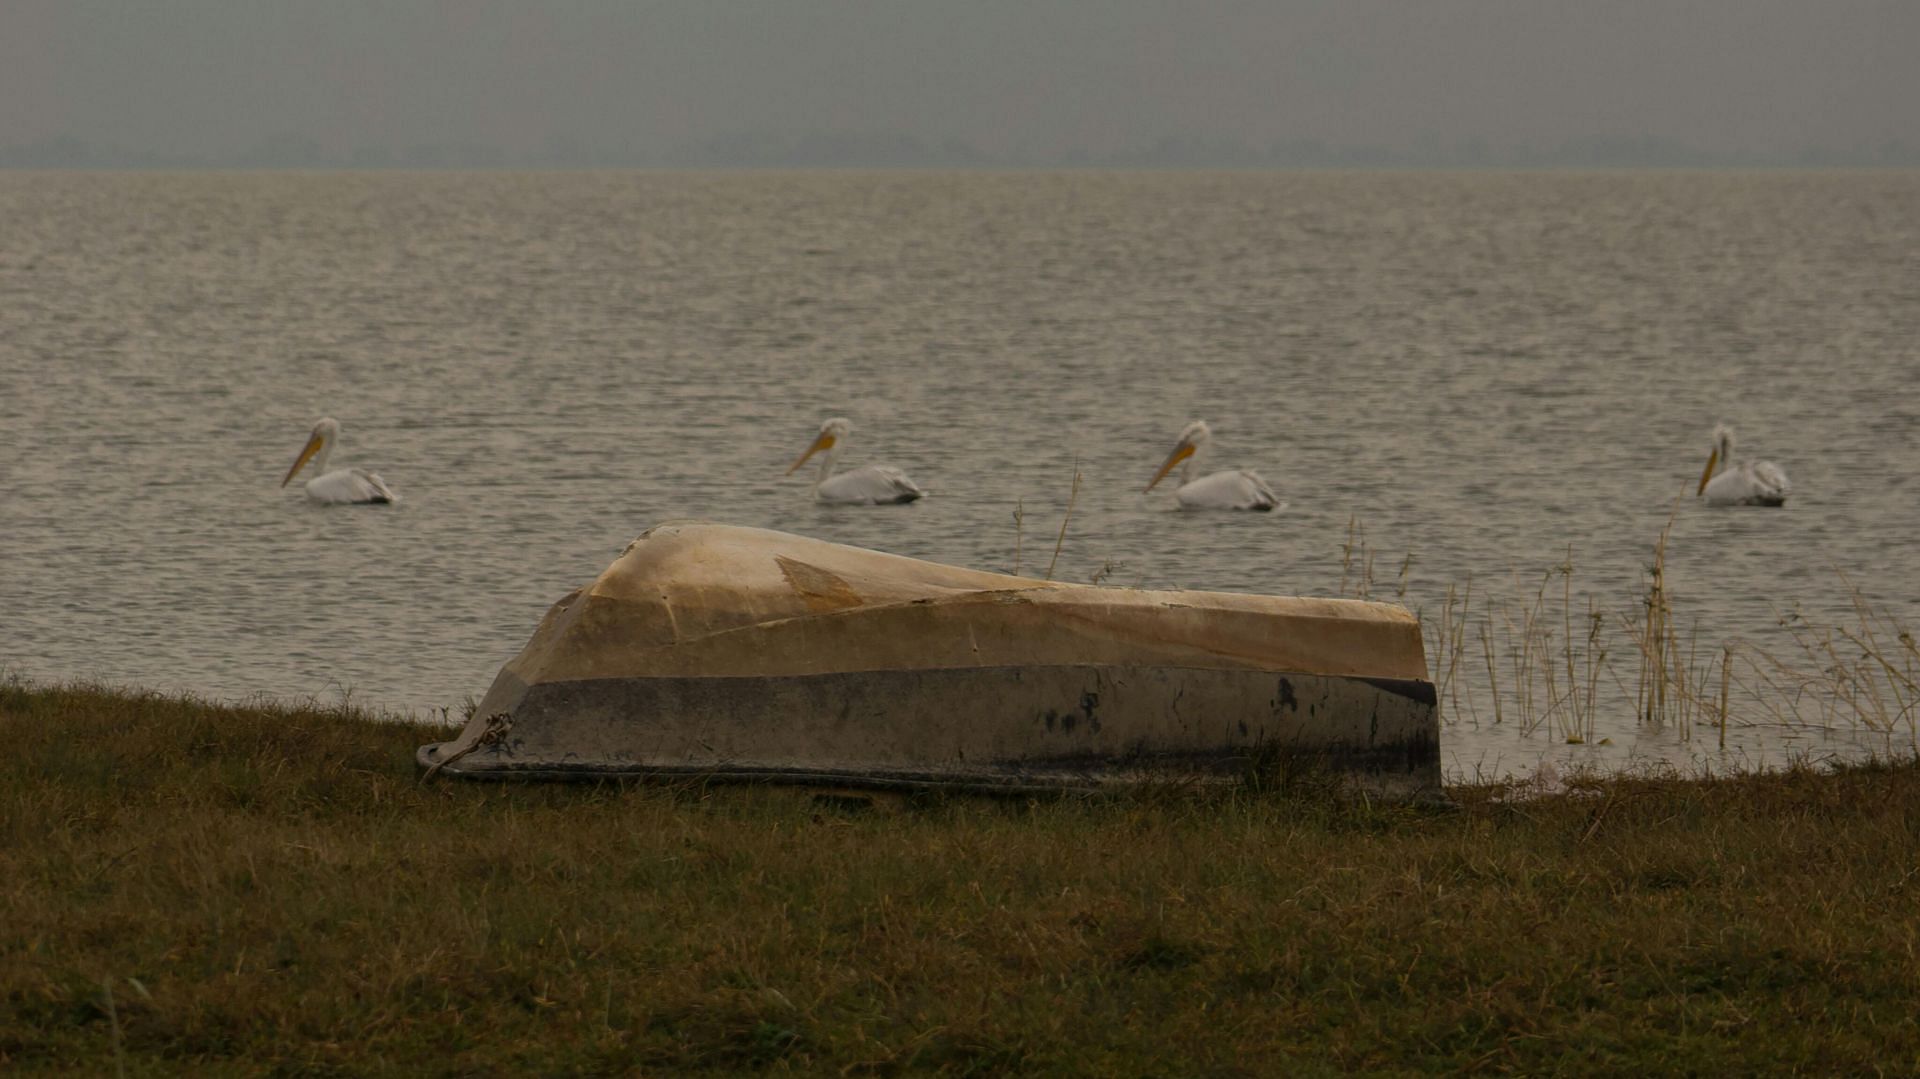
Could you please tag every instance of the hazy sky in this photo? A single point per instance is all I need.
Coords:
(1017, 79)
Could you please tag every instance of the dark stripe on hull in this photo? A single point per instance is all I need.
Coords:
(1008, 728)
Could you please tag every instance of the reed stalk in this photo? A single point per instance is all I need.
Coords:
(1596, 659)
(1493, 677)
(1346, 553)
(1019, 530)
(1060, 541)
(1726, 674)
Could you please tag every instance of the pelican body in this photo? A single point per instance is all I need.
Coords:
(1228, 489)
(1744, 483)
(342, 485)
(868, 485)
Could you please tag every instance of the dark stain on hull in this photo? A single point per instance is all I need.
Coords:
(1287, 699)
(1413, 689)
(1065, 722)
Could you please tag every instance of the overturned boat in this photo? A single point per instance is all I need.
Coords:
(742, 653)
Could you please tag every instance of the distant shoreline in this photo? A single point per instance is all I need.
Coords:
(995, 169)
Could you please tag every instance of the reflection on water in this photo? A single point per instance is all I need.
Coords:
(1482, 370)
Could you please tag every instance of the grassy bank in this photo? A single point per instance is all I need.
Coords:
(235, 890)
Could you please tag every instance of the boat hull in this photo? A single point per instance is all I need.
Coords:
(1070, 727)
(756, 656)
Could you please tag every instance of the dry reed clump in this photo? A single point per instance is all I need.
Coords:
(1866, 674)
(190, 887)
(1551, 660)
(1066, 518)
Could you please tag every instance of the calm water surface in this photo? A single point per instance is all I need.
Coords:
(1482, 370)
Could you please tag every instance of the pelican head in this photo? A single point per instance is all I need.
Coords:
(1193, 439)
(319, 445)
(1721, 457)
(832, 434)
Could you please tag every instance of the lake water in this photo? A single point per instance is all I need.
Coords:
(1482, 370)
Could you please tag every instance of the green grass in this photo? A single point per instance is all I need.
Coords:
(230, 890)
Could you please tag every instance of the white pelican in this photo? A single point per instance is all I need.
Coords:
(1748, 483)
(867, 485)
(342, 484)
(1230, 489)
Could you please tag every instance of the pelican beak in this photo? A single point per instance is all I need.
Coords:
(1712, 459)
(1180, 453)
(313, 447)
(824, 442)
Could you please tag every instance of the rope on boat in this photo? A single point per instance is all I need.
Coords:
(498, 726)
